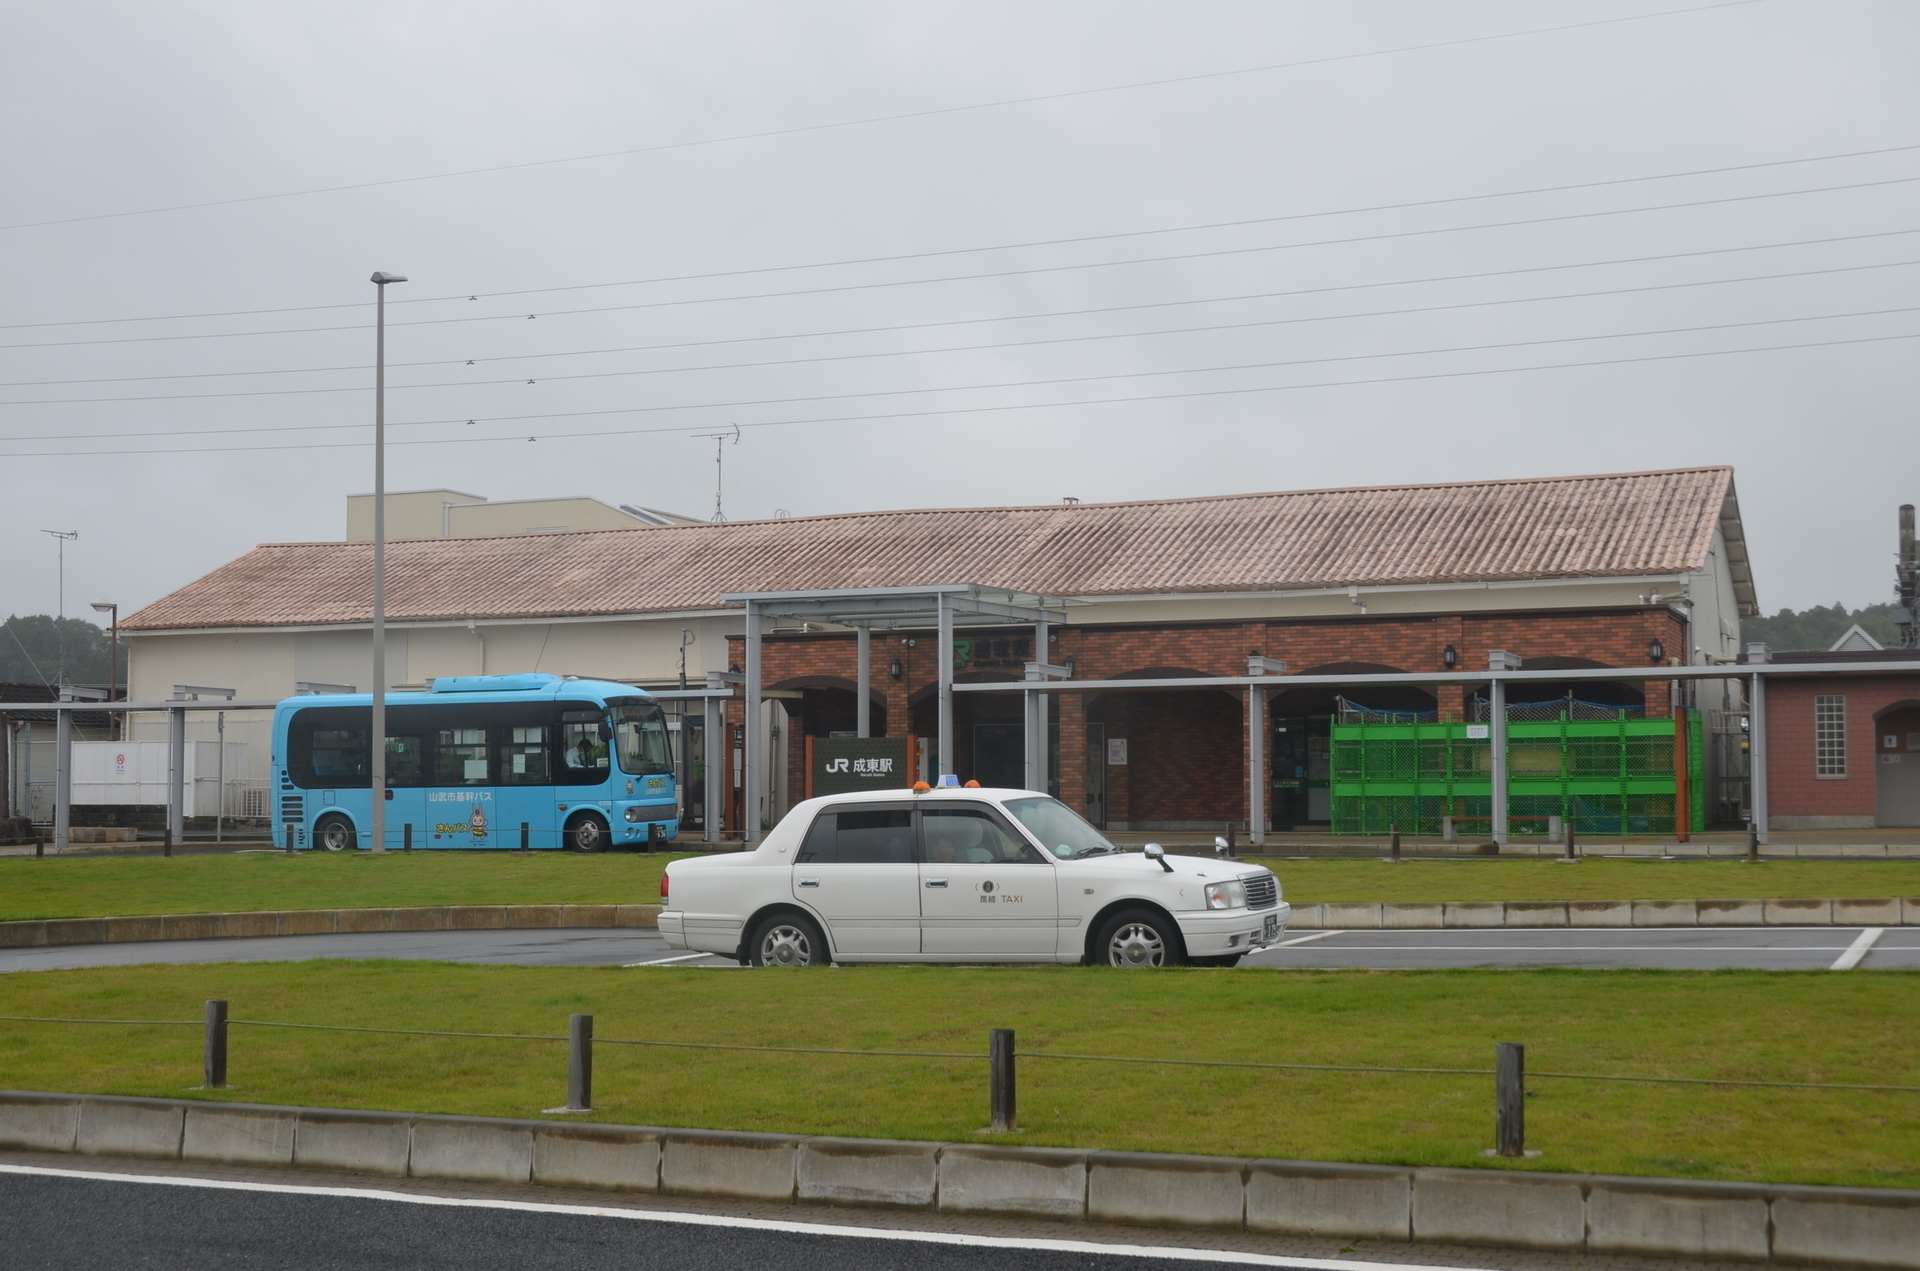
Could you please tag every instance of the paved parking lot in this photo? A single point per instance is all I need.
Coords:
(1678, 948)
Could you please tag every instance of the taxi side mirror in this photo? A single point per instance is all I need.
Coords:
(1157, 853)
(1221, 846)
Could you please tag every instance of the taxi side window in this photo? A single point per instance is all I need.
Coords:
(859, 836)
(972, 836)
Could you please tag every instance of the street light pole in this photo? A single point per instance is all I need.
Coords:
(377, 735)
(113, 665)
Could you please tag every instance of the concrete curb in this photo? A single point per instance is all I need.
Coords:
(316, 922)
(1480, 914)
(1590, 1213)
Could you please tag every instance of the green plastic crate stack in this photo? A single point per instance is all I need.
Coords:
(1599, 776)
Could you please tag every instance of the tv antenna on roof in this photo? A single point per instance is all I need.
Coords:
(719, 440)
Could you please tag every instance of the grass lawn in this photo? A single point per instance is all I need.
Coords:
(92, 887)
(1859, 1027)
(104, 886)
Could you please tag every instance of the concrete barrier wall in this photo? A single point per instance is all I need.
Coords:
(1349, 916)
(1586, 1213)
(321, 922)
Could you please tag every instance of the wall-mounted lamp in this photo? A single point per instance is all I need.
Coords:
(910, 642)
(894, 670)
(1068, 663)
(1450, 658)
(1656, 651)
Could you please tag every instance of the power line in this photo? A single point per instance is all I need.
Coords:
(1058, 313)
(966, 348)
(976, 410)
(882, 119)
(982, 277)
(1039, 383)
(1001, 247)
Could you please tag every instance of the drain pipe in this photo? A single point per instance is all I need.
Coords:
(474, 627)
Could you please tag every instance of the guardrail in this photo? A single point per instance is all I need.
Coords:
(1509, 1070)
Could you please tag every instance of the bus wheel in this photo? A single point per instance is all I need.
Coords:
(587, 833)
(335, 833)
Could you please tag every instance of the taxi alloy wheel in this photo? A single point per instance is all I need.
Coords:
(789, 942)
(588, 833)
(1139, 938)
(335, 833)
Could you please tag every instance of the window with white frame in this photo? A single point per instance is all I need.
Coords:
(1830, 735)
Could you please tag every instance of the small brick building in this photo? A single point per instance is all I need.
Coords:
(1843, 751)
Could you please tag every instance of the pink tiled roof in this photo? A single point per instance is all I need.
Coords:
(1560, 527)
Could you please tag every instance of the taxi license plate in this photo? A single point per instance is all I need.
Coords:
(1272, 927)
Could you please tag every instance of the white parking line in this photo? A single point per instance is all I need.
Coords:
(1170, 1253)
(1858, 949)
(685, 957)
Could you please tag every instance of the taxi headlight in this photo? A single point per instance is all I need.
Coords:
(1228, 895)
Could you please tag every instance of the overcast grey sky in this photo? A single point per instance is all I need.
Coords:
(1368, 319)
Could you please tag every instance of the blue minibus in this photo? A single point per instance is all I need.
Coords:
(499, 761)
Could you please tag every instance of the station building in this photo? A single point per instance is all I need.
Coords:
(1611, 571)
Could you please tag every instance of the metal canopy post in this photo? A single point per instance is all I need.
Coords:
(1256, 764)
(1757, 756)
(752, 760)
(1039, 747)
(62, 774)
(863, 681)
(1257, 745)
(943, 619)
(176, 771)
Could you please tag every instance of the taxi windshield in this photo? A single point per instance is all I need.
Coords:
(1060, 828)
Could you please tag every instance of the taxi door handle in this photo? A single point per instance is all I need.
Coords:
(936, 882)
(809, 882)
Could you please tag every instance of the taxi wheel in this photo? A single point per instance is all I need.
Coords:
(787, 940)
(335, 833)
(588, 833)
(1139, 938)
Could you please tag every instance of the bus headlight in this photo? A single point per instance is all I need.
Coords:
(638, 814)
(1228, 895)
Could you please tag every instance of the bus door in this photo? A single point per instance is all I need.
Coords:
(406, 777)
(461, 810)
(524, 755)
(585, 773)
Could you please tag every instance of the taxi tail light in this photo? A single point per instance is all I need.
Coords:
(663, 887)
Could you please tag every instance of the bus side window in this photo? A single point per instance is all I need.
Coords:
(525, 759)
(460, 757)
(582, 750)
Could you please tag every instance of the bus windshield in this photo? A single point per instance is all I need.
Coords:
(640, 736)
(1060, 828)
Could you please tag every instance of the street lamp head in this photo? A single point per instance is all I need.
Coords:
(384, 279)
(105, 606)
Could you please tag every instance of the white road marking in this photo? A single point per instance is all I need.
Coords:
(1171, 1253)
(1858, 949)
(1587, 948)
(1318, 935)
(685, 957)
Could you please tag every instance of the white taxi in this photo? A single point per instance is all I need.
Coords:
(963, 874)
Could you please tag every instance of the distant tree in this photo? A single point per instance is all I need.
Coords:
(34, 647)
(1819, 627)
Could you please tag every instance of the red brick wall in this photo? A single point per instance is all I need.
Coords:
(1793, 788)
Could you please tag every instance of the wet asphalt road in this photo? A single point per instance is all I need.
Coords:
(1678, 948)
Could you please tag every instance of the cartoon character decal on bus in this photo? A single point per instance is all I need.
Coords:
(478, 823)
